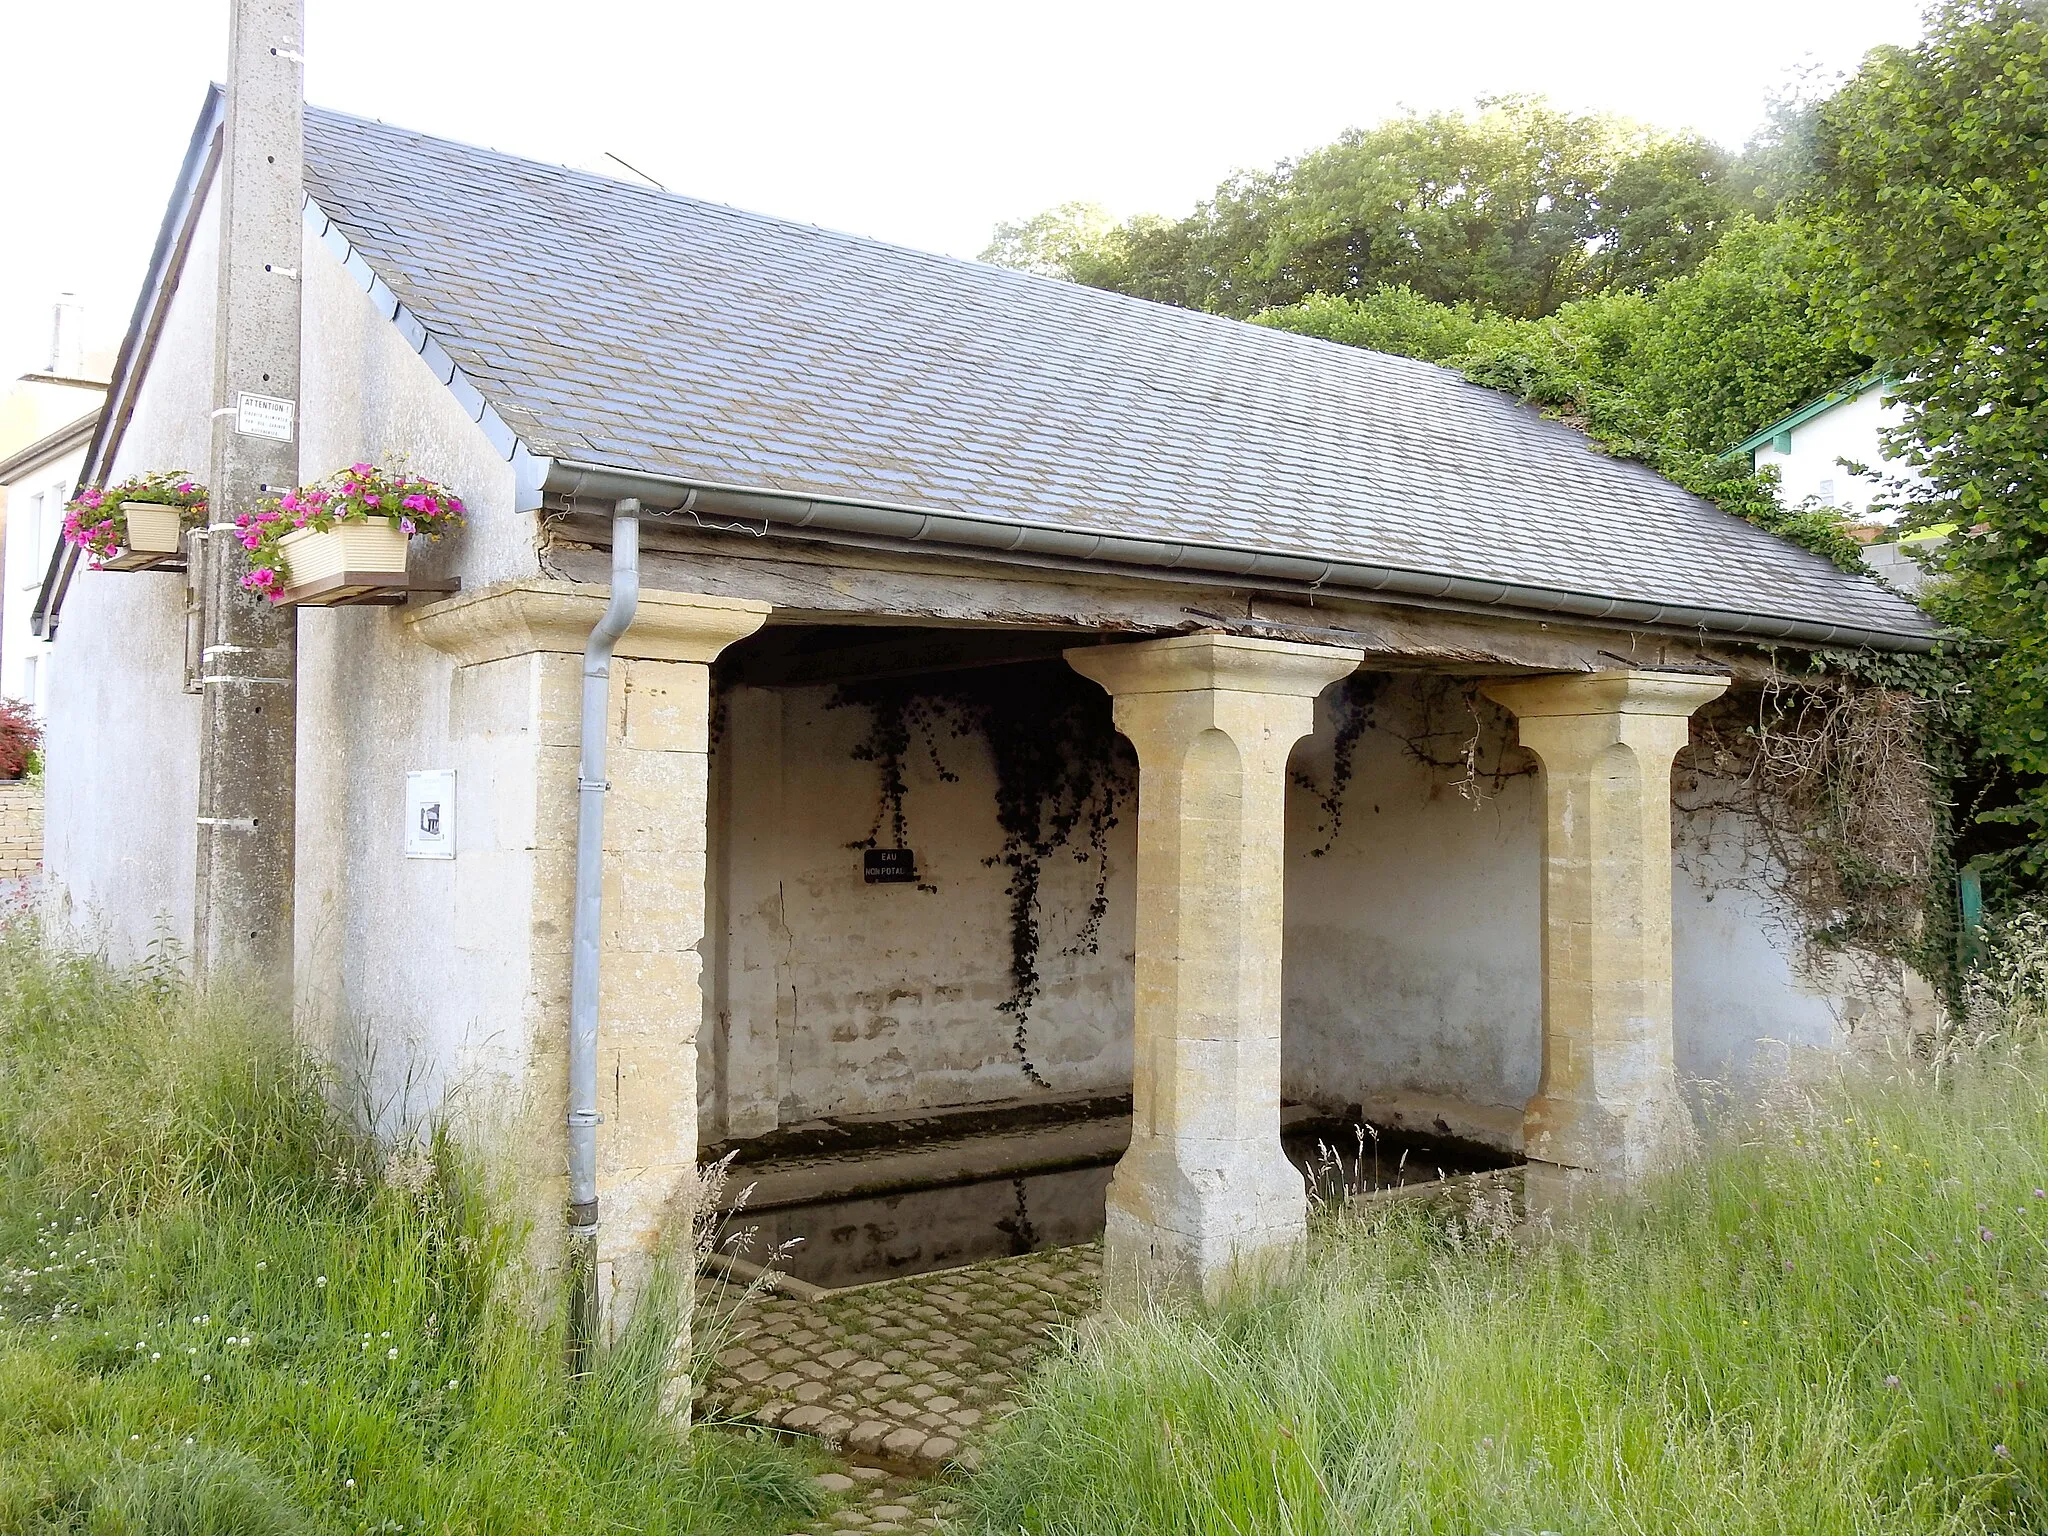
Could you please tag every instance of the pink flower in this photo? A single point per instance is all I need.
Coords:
(361, 469)
(405, 526)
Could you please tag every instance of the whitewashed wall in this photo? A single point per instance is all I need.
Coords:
(1412, 970)
(411, 972)
(832, 996)
(122, 754)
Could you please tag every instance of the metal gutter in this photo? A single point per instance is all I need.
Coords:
(1000, 538)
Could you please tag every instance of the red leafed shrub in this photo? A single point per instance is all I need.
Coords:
(20, 735)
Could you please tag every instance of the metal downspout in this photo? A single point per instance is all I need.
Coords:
(583, 1117)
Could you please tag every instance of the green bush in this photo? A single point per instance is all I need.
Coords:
(1834, 1325)
(226, 1309)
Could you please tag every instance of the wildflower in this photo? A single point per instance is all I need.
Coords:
(1892, 1382)
(451, 1386)
(391, 1353)
(1986, 1235)
(2000, 1451)
(263, 1264)
(319, 1279)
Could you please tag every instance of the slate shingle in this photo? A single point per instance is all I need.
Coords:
(675, 336)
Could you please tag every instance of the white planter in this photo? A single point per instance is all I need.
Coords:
(362, 552)
(153, 528)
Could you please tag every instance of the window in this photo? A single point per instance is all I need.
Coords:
(51, 525)
(29, 669)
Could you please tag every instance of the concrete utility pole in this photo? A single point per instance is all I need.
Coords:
(248, 741)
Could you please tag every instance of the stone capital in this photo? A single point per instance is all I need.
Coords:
(519, 618)
(1214, 663)
(1606, 693)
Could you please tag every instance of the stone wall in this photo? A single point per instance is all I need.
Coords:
(1412, 959)
(21, 829)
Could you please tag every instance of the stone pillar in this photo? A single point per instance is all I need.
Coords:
(1608, 1109)
(524, 642)
(1205, 1194)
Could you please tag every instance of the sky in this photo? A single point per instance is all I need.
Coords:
(921, 123)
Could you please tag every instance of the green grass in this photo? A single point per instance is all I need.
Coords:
(223, 1310)
(1837, 1325)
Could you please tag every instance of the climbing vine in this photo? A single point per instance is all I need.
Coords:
(1453, 731)
(1483, 754)
(1846, 766)
(1354, 703)
(1062, 776)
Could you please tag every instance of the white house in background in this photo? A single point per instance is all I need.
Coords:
(36, 483)
(46, 425)
(1813, 448)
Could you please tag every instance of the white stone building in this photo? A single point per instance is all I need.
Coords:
(1831, 450)
(36, 483)
(1194, 566)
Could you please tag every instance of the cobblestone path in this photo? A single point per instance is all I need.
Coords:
(901, 1377)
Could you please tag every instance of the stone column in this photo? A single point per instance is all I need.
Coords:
(520, 645)
(1205, 1195)
(1608, 1109)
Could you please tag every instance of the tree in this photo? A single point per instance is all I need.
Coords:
(1054, 242)
(1931, 198)
(1518, 208)
(1699, 363)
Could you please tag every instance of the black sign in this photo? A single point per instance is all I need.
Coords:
(889, 866)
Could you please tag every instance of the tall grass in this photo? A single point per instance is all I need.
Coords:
(1837, 1322)
(226, 1310)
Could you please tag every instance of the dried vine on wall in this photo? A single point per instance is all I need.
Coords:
(1062, 777)
(1460, 737)
(1354, 702)
(1841, 782)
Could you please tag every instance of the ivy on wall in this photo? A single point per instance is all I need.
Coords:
(1062, 773)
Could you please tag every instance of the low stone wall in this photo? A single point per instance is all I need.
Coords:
(21, 829)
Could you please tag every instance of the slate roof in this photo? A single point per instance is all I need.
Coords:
(614, 324)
